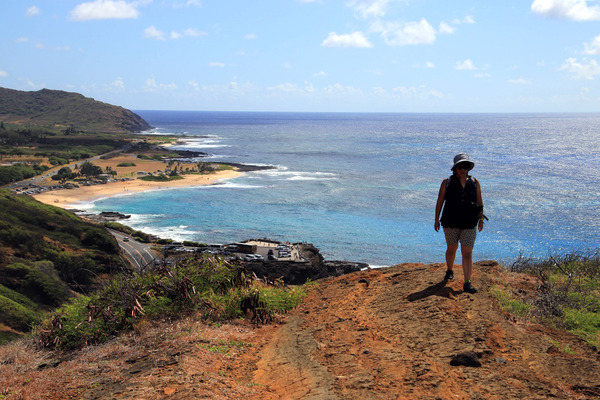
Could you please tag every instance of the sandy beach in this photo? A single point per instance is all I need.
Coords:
(71, 198)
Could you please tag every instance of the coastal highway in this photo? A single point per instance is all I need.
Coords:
(139, 254)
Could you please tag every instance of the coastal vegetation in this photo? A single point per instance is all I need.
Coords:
(210, 287)
(567, 294)
(47, 255)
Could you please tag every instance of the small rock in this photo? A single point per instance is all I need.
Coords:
(468, 359)
(500, 360)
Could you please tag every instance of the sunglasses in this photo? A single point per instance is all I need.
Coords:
(463, 166)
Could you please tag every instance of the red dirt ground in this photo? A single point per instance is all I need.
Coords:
(387, 333)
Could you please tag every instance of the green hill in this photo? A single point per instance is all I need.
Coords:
(47, 255)
(55, 109)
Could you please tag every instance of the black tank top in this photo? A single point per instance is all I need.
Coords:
(460, 207)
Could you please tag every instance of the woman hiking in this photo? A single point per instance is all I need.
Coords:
(462, 216)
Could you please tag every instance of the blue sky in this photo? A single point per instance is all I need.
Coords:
(309, 55)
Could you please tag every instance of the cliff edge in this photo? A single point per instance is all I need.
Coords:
(388, 333)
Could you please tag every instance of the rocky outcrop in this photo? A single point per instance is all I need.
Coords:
(297, 273)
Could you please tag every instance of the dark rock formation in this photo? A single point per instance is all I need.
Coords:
(297, 273)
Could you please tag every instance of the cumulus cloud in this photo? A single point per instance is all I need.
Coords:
(427, 64)
(576, 10)
(519, 81)
(466, 65)
(369, 8)
(405, 33)
(355, 39)
(3, 74)
(33, 10)
(189, 3)
(118, 85)
(104, 9)
(446, 28)
(320, 74)
(466, 20)
(419, 92)
(339, 88)
(250, 36)
(153, 86)
(593, 48)
(586, 69)
(152, 33)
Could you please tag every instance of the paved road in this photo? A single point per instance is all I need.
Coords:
(139, 254)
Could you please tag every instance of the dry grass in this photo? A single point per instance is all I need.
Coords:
(188, 357)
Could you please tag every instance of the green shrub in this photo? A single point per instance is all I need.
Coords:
(508, 303)
(212, 286)
(569, 294)
(160, 178)
(16, 315)
(584, 324)
(126, 164)
(38, 281)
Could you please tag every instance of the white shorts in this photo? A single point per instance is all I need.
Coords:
(466, 237)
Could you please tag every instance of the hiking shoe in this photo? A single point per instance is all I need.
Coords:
(467, 287)
(449, 275)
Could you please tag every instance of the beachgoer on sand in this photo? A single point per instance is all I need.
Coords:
(462, 216)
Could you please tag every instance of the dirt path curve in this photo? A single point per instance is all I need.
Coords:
(391, 334)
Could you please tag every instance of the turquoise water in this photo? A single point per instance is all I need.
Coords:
(363, 187)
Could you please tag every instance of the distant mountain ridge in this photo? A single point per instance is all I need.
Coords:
(56, 109)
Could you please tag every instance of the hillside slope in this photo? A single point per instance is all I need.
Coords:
(387, 333)
(47, 254)
(55, 109)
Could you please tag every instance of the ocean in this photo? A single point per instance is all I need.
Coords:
(363, 187)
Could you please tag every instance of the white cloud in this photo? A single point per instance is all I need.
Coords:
(355, 39)
(104, 9)
(250, 36)
(152, 86)
(593, 48)
(216, 64)
(339, 88)
(191, 32)
(33, 10)
(3, 74)
(118, 84)
(194, 85)
(152, 33)
(466, 65)
(519, 81)
(285, 87)
(466, 20)
(576, 10)
(446, 28)
(369, 8)
(586, 69)
(22, 39)
(189, 3)
(428, 64)
(405, 33)
(419, 92)
(320, 74)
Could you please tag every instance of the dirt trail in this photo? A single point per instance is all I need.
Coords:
(392, 333)
(388, 333)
